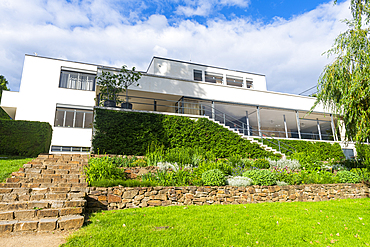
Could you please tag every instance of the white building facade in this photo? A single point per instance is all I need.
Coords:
(64, 94)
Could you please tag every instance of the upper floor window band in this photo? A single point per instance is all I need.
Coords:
(75, 80)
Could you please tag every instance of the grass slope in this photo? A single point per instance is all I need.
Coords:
(9, 164)
(329, 223)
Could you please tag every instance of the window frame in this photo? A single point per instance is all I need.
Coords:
(79, 81)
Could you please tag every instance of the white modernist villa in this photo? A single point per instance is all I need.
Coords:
(64, 94)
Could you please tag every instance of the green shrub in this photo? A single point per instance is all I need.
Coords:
(307, 161)
(131, 133)
(3, 114)
(348, 177)
(103, 168)
(221, 165)
(261, 164)
(124, 183)
(363, 154)
(322, 151)
(261, 177)
(24, 138)
(213, 178)
(239, 181)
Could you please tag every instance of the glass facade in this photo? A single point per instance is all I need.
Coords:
(264, 121)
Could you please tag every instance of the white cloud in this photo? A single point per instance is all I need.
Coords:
(204, 7)
(288, 52)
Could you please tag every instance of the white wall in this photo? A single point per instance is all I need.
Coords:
(150, 83)
(184, 70)
(39, 93)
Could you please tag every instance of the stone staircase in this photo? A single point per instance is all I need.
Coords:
(47, 194)
(251, 139)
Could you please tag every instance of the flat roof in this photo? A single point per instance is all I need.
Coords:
(198, 64)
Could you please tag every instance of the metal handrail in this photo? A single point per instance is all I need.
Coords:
(240, 125)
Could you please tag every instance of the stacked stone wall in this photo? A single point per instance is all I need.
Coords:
(124, 197)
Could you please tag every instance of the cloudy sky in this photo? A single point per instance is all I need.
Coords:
(282, 39)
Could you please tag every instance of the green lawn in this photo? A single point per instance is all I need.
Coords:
(9, 164)
(330, 223)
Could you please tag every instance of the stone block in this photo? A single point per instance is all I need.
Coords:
(7, 215)
(57, 204)
(56, 196)
(114, 198)
(7, 226)
(70, 211)
(12, 180)
(102, 198)
(40, 190)
(26, 226)
(5, 190)
(47, 213)
(130, 194)
(37, 197)
(47, 224)
(75, 203)
(70, 222)
(24, 214)
(154, 203)
(17, 206)
(37, 204)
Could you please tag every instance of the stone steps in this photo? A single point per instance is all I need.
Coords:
(46, 194)
(45, 224)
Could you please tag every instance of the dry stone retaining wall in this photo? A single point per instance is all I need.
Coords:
(124, 197)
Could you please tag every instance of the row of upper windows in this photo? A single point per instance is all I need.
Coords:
(218, 79)
(75, 80)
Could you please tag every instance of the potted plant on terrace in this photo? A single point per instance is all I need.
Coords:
(127, 78)
(111, 84)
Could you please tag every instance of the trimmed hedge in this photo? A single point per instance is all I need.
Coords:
(320, 150)
(3, 114)
(25, 138)
(119, 132)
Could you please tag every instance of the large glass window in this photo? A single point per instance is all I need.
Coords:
(198, 75)
(234, 81)
(310, 125)
(73, 118)
(74, 80)
(278, 123)
(213, 77)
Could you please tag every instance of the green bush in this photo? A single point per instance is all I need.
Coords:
(24, 138)
(214, 178)
(261, 177)
(104, 168)
(131, 133)
(180, 177)
(3, 114)
(348, 177)
(363, 154)
(221, 165)
(261, 164)
(124, 183)
(322, 151)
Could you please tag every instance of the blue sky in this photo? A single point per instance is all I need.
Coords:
(283, 40)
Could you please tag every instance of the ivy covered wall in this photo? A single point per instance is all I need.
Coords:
(120, 132)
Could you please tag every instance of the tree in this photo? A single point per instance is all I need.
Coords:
(111, 84)
(344, 85)
(3, 83)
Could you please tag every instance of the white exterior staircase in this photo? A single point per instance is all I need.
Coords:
(251, 139)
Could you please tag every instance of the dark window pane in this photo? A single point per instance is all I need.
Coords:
(59, 117)
(66, 149)
(56, 148)
(249, 84)
(69, 119)
(79, 119)
(197, 75)
(76, 149)
(237, 82)
(88, 120)
(213, 78)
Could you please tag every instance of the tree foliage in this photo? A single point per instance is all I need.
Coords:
(111, 84)
(344, 85)
(3, 85)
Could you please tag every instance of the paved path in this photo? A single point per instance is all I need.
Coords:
(34, 239)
